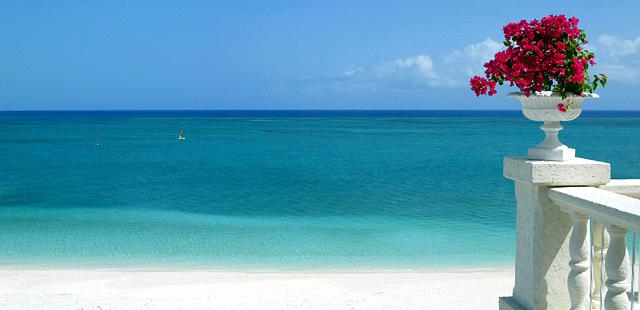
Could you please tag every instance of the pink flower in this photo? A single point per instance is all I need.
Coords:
(561, 73)
(561, 107)
(541, 54)
(481, 85)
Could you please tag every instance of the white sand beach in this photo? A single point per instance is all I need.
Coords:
(194, 289)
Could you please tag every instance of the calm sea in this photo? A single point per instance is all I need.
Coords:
(275, 189)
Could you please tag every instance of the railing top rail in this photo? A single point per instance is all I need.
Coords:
(603, 206)
(628, 187)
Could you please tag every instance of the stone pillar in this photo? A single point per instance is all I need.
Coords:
(542, 229)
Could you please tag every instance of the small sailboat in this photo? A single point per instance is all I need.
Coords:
(98, 141)
(181, 136)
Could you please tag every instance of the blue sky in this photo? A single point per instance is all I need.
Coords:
(284, 54)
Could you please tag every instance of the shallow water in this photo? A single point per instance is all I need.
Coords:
(275, 189)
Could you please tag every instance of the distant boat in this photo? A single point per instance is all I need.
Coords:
(180, 136)
(98, 141)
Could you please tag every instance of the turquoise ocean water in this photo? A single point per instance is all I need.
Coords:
(275, 189)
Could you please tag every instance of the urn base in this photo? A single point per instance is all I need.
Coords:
(562, 153)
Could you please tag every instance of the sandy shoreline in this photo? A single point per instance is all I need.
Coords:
(214, 289)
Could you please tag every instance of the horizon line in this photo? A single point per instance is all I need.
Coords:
(298, 110)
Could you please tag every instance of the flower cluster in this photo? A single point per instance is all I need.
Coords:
(481, 85)
(541, 55)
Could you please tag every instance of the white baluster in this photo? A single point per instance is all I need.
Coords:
(579, 279)
(634, 289)
(617, 266)
(600, 246)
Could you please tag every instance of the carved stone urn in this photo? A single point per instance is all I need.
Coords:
(543, 107)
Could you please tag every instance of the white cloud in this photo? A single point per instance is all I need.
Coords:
(406, 74)
(618, 58)
(410, 73)
(616, 47)
(622, 73)
(353, 70)
(421, 64)
(470, 61)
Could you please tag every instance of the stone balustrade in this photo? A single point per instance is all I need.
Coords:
(562, 210)
(619, 214)
(629, 187)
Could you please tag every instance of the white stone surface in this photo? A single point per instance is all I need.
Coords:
(551, 148)
(602, 206)
(508, 303)
(542, 250)
(543, 107)
(619, 213)
(579, 279)
(600, 247)
(542, 234)
(618, 270)
(628, 187)
(576, 172)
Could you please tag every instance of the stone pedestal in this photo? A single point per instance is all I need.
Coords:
(542, 235)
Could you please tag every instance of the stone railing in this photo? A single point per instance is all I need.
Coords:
(629, 188)
(561, 207)
(619, 214)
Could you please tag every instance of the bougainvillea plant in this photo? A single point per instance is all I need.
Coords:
(544, 55)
